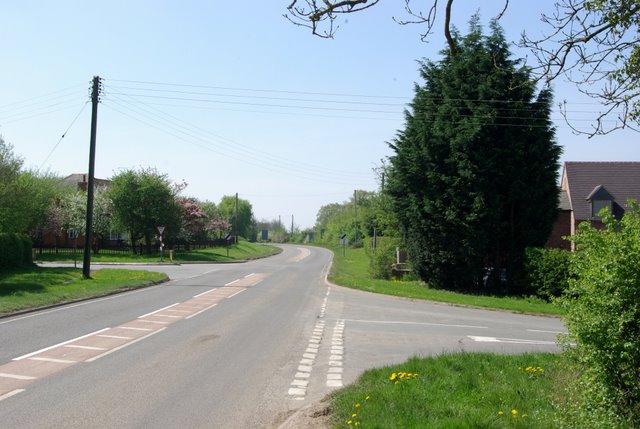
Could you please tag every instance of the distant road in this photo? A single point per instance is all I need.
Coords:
(227, 346)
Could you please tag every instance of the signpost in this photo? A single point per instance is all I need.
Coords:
(160, 231)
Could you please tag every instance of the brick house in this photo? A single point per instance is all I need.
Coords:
(587, 188)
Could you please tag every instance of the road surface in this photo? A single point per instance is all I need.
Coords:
(228, 346)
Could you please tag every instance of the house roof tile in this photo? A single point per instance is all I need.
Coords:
(621, 180)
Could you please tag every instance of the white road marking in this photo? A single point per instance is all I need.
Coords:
(231, 283)
(171, 316)
(10, 394)
(95, 358)
(17, 376)
(59, 344)
(509, 340)
(334, 378)
(204, 293)
(152, 321)
(400, 322)
(547, 332)
(231, 296)
(117, 337)
(46, 359)
(303, 374)
(157, 311)
(75, 346)
(131, 328)
(201, 311)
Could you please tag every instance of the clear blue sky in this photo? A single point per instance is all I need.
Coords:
(287, 120)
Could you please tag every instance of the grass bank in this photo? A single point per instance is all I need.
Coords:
(351, 269)
(467, 390)
(35, 287)
(238, 252)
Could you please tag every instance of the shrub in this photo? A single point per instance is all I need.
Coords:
(547, 271)
(382, 257)
(15, 250)
(603, 319)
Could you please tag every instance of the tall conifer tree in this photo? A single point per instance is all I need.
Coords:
(473, 178)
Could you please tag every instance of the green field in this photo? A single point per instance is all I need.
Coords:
(467, 390)
(34, 287)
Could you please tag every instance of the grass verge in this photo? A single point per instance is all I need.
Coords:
(35, 287)
(464, 390)
(351, 269)
(238, 252)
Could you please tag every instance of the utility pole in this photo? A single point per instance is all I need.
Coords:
(236, 219)
(355, 205)
(88, 231)
(292, 226)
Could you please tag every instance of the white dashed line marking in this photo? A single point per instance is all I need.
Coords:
(334, 373)
(301, 380)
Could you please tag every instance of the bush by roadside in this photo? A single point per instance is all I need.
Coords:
(547, 271)
(15, 250)
(602, 316)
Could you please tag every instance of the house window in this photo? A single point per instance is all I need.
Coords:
(598, 205)
(72, 234)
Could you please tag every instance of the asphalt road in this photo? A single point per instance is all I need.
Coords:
(227, 346)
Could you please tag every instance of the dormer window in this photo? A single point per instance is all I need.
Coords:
(598, 205)
(600, 199)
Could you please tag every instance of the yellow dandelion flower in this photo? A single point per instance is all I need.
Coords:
(397, 382)
(393, 376)
(367, 398)
(349, 422)
(500, 413)
(514, 412)
(525, 415)
(357, 405)
(354, 415)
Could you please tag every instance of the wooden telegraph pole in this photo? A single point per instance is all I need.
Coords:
(88, 232)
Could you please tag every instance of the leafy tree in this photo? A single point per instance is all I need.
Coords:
(219, 228)
(473, 178)
(193, 218)
(73, 208)
(603, 310)
(245, 223)
(10, 166)
(142, 201)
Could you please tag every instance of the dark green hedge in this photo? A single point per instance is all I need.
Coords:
(15, 250)
(547, 271)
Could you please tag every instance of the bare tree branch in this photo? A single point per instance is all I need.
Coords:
(590, 45)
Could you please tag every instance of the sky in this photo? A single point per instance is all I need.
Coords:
(230, 97)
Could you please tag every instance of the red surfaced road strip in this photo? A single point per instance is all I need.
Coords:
(24, 370)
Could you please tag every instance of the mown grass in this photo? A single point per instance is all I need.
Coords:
(466, 390)
(34, 287)
(351, 269)
(238, 252)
